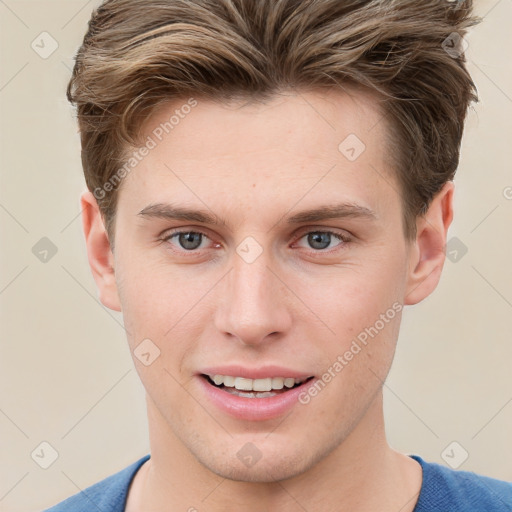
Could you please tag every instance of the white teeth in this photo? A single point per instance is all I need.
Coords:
(243, 384)
(289, 383)
(228, 381)
(245, 394)
(261, 385)
(277, 383)
(218, 379)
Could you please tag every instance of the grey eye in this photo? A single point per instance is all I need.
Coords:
(189, 240)
(319, 239)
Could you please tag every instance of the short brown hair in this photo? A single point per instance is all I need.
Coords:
(138, 54)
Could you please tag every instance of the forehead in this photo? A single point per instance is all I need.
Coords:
(306, 121)
(321, 145)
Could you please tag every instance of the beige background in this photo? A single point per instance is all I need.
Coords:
(66, 376)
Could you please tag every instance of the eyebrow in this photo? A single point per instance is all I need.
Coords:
(337, 211)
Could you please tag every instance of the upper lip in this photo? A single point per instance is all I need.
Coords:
(262, 372)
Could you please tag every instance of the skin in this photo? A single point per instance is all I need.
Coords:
(296, 305)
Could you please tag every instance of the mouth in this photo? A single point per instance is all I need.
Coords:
(255, 388)
(261, 393)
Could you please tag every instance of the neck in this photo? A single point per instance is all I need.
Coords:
(363, 473)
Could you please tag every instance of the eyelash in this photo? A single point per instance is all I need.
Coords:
(343, 238)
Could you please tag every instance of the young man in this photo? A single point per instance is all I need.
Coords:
(270, 183)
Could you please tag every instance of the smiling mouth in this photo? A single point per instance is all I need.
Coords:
(254, 388)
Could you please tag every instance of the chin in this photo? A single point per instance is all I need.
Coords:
(273, 466)
(260, 473)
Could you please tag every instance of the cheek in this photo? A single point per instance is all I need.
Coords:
(362, 307)
(140, 292)
(354, 298)
(358, 364)
(151, 290)
(163, 304)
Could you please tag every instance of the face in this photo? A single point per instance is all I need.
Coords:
(253, 289)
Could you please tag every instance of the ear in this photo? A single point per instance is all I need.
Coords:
(427, 255)
(101, 257)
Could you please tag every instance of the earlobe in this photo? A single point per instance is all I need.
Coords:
(101, 258)
(427, 255)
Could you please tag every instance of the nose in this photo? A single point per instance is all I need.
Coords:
(254, 302)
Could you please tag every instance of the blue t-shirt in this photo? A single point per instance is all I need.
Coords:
(442, 490)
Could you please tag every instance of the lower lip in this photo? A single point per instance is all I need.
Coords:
(254, 409)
